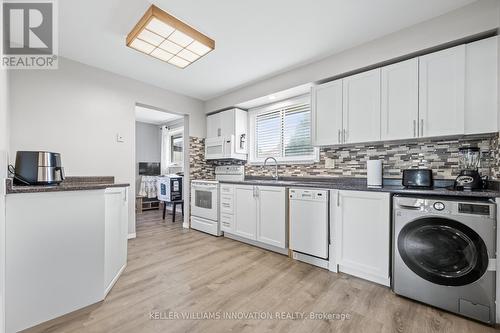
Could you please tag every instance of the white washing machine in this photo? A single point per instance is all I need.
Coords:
(444, 254)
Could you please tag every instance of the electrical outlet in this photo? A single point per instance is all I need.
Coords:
(329, 163)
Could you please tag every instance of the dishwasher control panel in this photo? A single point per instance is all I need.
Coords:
(307, 194)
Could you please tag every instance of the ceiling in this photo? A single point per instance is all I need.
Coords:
(156, 117)
(255, 39)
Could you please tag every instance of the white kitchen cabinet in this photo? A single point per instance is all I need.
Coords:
(361, 107)
(271, 222)
(232, 126)
(327, 113)
(361, 222)
(115, 234)
(441, 92)
(481, 82)
(259, 215)
(54, 255)
(399, 100)
(245, 209)
(214, 125)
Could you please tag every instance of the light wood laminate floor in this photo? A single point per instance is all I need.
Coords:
(173, 271)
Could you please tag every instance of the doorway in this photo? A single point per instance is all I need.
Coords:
(162, 165)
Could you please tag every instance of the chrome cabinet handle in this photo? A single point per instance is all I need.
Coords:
(421, 127)
(338, 136)
(338, 199)
(414, 128)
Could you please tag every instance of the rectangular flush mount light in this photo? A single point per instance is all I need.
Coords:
(164, 37)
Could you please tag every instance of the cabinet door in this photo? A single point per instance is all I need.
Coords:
(245, 211)
(327, 113)
(362, 229)
(227, 123)
(361, 107)
(214, 125)
(441, 92)
(115, 231)
(271, 221)
(399, 114)
(481, 84)
(240, 131)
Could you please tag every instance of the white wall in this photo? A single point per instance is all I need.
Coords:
(147, 142)
(78, 110)
(469, 20)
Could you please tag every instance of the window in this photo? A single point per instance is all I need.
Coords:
(283, 131)
(176, 145)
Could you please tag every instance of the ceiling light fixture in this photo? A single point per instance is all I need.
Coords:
(164, 37)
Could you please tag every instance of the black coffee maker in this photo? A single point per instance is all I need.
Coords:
(469, 178)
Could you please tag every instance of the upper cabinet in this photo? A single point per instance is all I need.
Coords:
(361, 107)
(481, 70)
(399, 100)
(445, 93)
(227, 123)
(327, 118)
(227, 133)
(441, 92)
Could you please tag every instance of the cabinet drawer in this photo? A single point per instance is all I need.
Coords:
(226, 222)
(227, 189)
(226, 204)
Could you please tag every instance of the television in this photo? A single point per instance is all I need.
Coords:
(149, 169)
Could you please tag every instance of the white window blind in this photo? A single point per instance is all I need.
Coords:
(284, 133)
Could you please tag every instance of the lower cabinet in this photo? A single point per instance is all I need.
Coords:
(63, 253)
(115, 234)
(260, 214)
(361, 229)
(245, 208)
(271, 219)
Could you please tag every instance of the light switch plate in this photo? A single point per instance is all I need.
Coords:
(119, 138)
(329, 163)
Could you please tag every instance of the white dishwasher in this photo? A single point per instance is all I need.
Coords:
(309, 225)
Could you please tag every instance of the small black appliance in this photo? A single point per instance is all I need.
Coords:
(469, 178)
(417, 178)
(38, 168)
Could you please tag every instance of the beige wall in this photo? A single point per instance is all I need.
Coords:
(78, 110)
(469, 20)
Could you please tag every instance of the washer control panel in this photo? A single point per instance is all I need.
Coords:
(438, 205)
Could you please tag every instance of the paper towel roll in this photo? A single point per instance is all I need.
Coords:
(374, 173)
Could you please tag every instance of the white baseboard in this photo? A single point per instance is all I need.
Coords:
(108, 289)
(131, 236)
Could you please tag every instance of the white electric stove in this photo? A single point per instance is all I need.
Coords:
(205, 198)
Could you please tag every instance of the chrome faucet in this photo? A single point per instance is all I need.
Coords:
(275, 166)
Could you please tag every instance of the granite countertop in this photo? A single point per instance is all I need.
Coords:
(441, 188)
(69, 184)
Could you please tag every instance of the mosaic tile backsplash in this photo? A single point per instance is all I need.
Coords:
(199, 168)
(439, 155)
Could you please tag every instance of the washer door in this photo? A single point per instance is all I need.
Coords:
(443, 251)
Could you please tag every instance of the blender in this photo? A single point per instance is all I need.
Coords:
(468, 161)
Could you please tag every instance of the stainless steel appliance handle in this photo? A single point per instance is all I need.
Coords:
(414, 128)
(338, 136)
(343, 135)
(421, 127)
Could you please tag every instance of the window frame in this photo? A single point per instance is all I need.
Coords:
(252, 123)
(170, 135)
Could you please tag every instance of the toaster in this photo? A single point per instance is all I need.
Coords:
(38, 168)
(417, 178)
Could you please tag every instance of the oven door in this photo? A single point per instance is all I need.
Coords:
(204, 201)
(214, 148)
